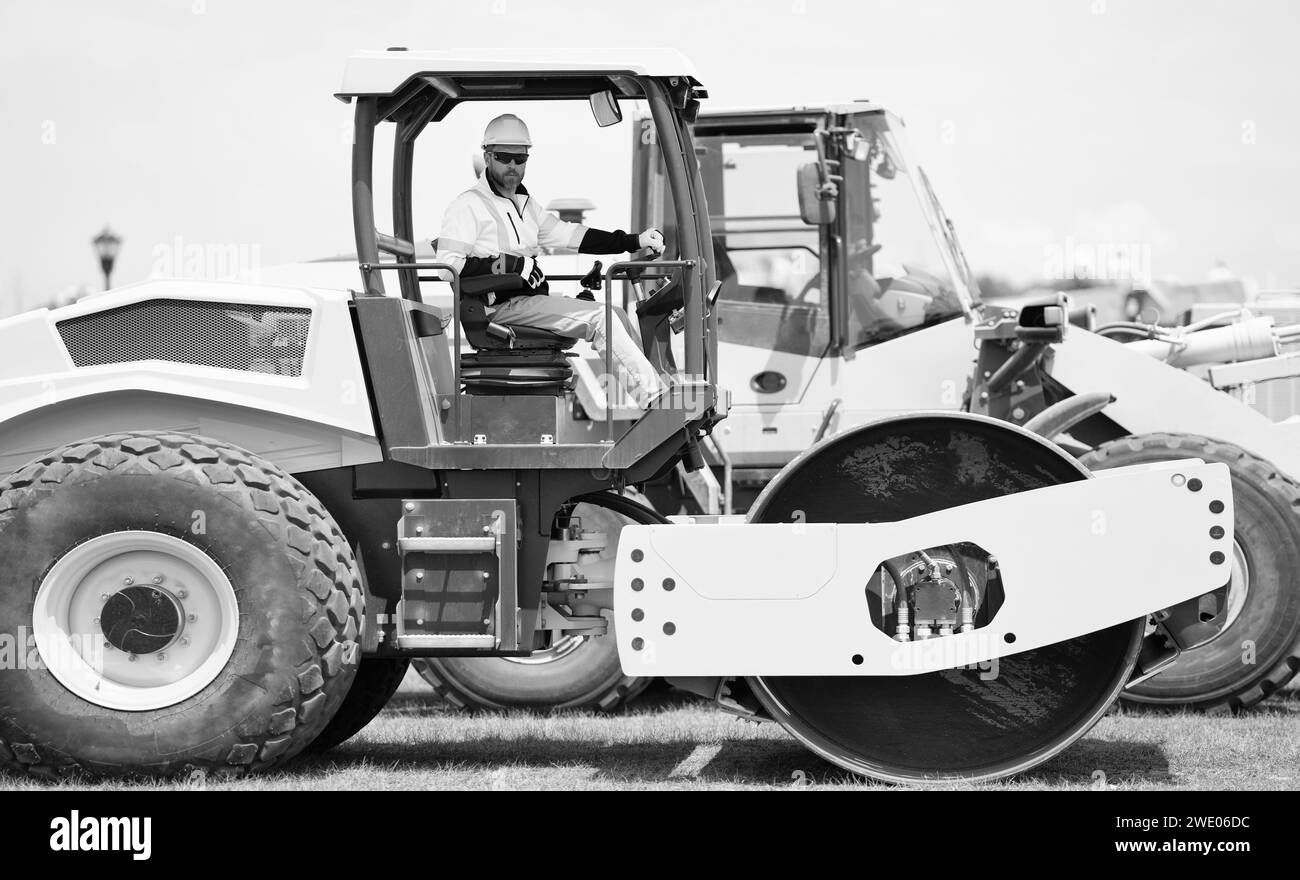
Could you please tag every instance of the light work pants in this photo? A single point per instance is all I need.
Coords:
(580, 319)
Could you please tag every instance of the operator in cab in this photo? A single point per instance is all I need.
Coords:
(493, 233)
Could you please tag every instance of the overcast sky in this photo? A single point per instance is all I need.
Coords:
(1171, 126)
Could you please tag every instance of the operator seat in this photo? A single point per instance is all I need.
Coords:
(510, 360)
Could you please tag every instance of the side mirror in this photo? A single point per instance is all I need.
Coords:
(1044, 321)
(857, 146)
(604, 106)
(816, 201)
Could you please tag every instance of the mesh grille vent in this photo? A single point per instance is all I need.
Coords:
(250, 338)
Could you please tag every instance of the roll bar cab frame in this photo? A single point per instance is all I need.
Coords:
(428, 97)
(540, 456)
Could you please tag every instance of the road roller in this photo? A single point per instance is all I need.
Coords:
(236, 511)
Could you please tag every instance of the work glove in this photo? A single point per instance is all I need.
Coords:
(532, 273)
(652, 239)
(525, 267)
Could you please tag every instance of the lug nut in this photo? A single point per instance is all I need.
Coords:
(191, 617)
(132, 657)
(185, 641)
(95, 620)
(128, 581)
(103, 597)
(157, 579)
(161, 656)
(181, 594)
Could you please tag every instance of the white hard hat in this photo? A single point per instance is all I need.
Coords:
(507, 130)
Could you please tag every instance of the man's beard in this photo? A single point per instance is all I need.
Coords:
(501, 181)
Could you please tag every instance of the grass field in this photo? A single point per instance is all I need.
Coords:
(668, 741)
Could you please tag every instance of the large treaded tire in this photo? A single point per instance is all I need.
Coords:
(1218, 676)
(587, 677)
(378, 678)
(298, 596)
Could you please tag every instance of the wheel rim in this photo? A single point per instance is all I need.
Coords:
(1239, 586)
(135, 620)
(561, 649)
(1166, 689)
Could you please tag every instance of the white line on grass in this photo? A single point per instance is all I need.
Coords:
(695, 762)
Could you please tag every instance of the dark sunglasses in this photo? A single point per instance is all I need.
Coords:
(510, 158)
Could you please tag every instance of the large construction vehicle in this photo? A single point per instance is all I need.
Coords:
(858, 305)
(238, 511)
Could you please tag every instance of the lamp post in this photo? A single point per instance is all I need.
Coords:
(107, 244)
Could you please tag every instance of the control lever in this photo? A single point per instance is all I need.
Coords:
(595, 278)
(592, 281)
(634, 272)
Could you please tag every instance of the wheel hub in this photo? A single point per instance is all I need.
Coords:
(135, 620)
(141, 620)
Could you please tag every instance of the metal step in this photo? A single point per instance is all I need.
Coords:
(459, 589)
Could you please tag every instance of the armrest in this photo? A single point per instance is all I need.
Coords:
(485, 284)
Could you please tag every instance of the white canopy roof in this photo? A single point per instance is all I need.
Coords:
(860, 106)
(370, 72)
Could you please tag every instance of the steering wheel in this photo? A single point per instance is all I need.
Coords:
(855, 258)
(665, 298)
(813, 283)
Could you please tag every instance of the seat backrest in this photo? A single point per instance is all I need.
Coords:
(474, 322)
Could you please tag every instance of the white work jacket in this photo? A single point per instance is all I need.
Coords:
(483, 222)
